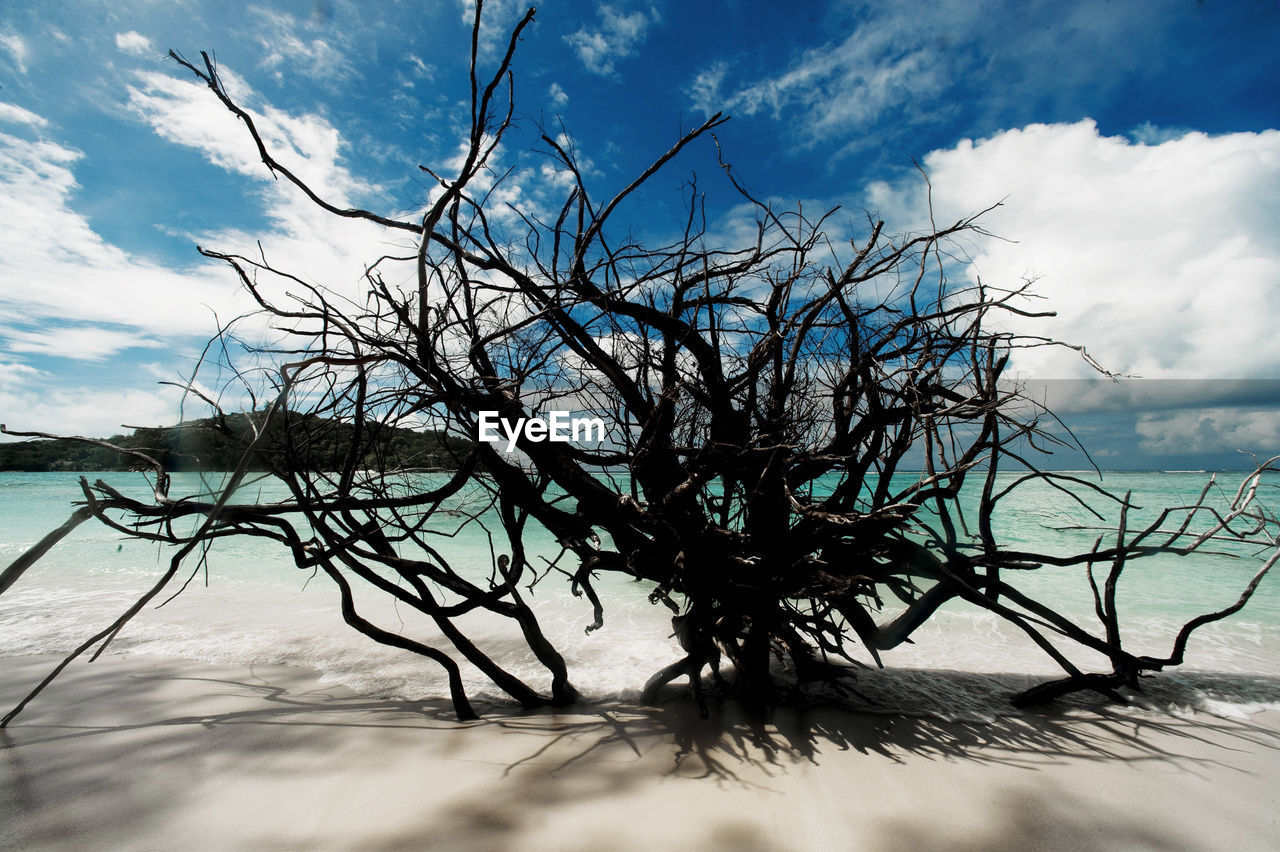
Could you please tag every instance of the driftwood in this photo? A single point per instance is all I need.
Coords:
(765, 408)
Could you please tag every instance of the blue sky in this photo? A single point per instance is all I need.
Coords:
(1134, 144)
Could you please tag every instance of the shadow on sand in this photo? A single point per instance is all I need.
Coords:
(166, 750)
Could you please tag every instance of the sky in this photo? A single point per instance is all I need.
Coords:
(1134, 148)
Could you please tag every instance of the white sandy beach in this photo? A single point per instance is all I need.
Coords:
(137, 752)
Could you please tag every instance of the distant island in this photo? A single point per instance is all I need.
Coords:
(212, 444)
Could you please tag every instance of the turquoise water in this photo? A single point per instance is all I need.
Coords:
(247, 603)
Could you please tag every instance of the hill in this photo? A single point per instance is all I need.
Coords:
(314, 442)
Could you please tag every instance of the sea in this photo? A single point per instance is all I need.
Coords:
(243, 602)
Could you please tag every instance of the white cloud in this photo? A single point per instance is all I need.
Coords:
(134, 43)
(894, 66)
(888, 60)
(705, 90)
(67, 292)
(1161, 259)
(91, 412)
(17, 115)
(17, 49)
(420, 69)
(836, 87)
(53, 266)
(1211, 430)
(615, 37)
(33, 400)
(85, 342)
(556, 179)
(303, 239)
(288, 50)
(14, 375)
(1097, 394)
(559, 97)
(187, 113)
(498, 19)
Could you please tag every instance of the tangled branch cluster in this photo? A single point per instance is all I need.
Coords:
(790, 426)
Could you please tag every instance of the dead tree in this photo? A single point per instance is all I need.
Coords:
(792, 430)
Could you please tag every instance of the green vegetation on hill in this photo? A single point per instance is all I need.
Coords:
(313, 442)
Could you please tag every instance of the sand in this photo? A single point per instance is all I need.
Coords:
(136, 752)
